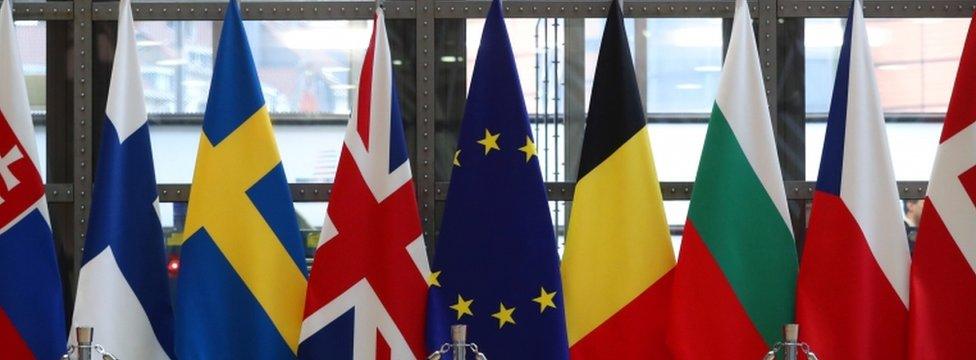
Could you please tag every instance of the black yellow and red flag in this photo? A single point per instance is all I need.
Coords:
(618, 260)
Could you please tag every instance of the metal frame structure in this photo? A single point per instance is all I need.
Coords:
(71, 141)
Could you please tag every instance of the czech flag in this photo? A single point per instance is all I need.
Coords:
(852, 292)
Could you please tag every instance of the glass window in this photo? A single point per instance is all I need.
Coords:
(915, 61)
(32, 44)
(176, 60)
(915, 65)
(684, 62)
(309, 86)
(309, 66)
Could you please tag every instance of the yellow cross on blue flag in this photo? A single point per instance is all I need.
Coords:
(495, 268)
(241, 290)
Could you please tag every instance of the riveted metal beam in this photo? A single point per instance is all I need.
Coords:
(55, 10)
(879, 9)
(795, 190)
(330, 10)
(82, 123)
(59, 193)
(305, 192)
(425, 118)
(591, 9)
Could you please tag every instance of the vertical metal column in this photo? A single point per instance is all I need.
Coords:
(768, 52)
(575, 94)
(425, 118)
(82, 122)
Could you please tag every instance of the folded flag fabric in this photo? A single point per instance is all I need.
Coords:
(123, 287)
(496, 268)
(942, 313)
(852, 291)
(241, 287)
(618, 258)
(32, 320)
(736, 273)
(367, 293)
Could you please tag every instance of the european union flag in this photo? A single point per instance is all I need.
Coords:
(496, 268)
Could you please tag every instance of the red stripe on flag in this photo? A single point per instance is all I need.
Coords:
(846, 307)
(708, 321)
(12, 344)
(962, 110)
(365, 96)
(383, 351)
(943, 311)
(636, 331)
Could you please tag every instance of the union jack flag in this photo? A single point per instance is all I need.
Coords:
(367, 291)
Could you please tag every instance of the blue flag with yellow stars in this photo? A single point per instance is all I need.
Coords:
(495, 268)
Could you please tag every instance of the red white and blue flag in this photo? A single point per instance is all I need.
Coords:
(852, 291)
(31, 303)
(367, 291)
(942, 314)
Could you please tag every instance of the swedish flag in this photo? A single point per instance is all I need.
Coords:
(242, 283)
(496, 268)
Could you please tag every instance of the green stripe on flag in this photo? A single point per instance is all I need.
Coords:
(744, 231)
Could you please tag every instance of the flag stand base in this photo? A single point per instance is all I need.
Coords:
(84, 335)
(791, 346)
(459, 346)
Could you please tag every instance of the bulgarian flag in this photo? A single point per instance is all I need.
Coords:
(942, 314)
(852, 292)
(734, 281)
(618, 261)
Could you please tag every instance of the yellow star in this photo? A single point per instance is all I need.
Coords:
(490, 141)
(457, 160)
(528, 149)
(463, 307)
(545, 300)
(504, 315)
(432, 279)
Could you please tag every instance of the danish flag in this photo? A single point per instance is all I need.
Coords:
(367, 290)
(942, 314)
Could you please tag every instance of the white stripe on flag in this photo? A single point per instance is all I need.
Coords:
(111, 307)
(868, 185)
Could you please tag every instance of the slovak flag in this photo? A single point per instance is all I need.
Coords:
(367, 291)
(31, 302)
(942, 314)
(123, 288)
(852, 291)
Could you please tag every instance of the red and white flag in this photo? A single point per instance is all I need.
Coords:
(367, 293)
(943, 283)
(852, 291)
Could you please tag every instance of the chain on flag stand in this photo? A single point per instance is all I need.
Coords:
(791, 346)
(85, 346)
(459, 346)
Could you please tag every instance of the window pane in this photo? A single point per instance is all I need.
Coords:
(176, 60)
(913, 146)
(309, 152)
(32, 45)
(309, 66)
(915, 61)
(684, 61)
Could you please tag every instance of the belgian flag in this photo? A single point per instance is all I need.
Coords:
(618, 260)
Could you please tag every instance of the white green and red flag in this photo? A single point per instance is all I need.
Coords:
(735, 278)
